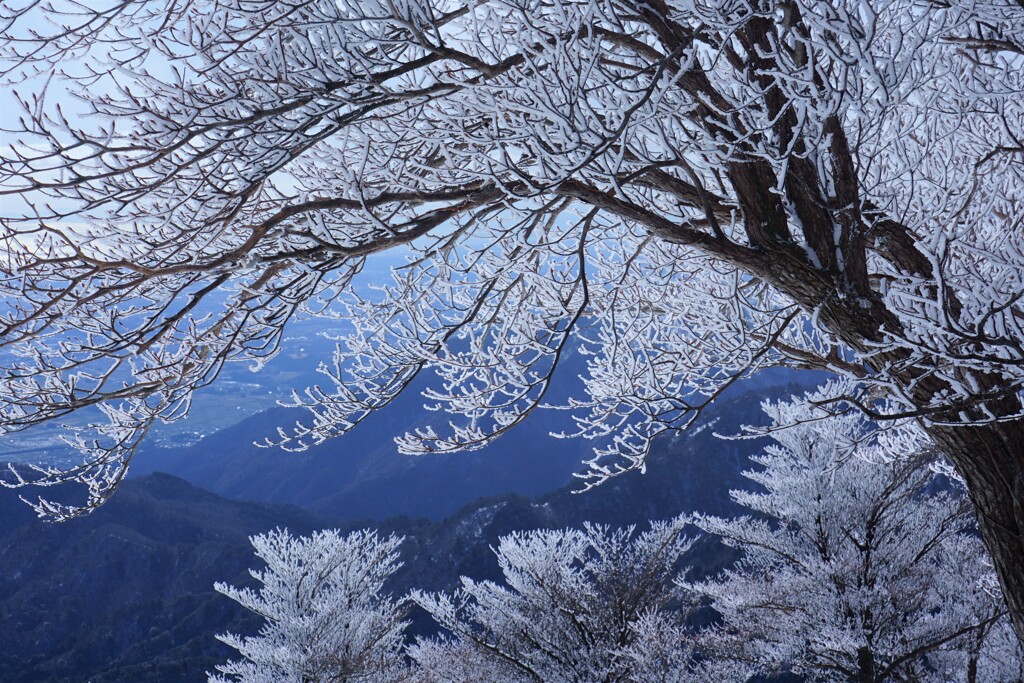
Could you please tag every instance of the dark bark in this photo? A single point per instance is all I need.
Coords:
(865, 665)
(991, 459)
(988, 455)
(835, 283)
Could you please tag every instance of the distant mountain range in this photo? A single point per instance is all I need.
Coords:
(126, 594)
(362, 474)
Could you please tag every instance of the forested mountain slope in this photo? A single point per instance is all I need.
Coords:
(362, 474)
(127, 593)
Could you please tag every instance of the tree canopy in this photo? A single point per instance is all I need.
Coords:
(576, 605)
(859, 562)
(690, 190)
(327, 616)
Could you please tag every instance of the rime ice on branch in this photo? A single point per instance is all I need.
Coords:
(859, 563)
(327, 617)
(690, 191)
(594, 604)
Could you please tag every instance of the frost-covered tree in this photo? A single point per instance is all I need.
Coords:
(990, 652)
(695, 189)
(327, 618)
(575, 604)
(664, 651)
(998, 656)
(857, 564)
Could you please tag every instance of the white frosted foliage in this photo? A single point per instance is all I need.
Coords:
(578, 605)
(686, 192)
(326, 616)
(858, 562)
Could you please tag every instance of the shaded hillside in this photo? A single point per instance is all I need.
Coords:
(362, 474)
(126, 594)
(693, 471)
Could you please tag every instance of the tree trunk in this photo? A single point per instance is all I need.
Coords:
(988, 455)
(991, 459)
(865, 665)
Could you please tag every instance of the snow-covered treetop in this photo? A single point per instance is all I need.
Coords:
(573, 604)
(327, 616)
(859, 562)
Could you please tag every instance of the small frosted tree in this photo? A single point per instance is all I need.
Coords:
(326, 617)
(575, 602)
(990, 652)
(859, 565)
(663, 650)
